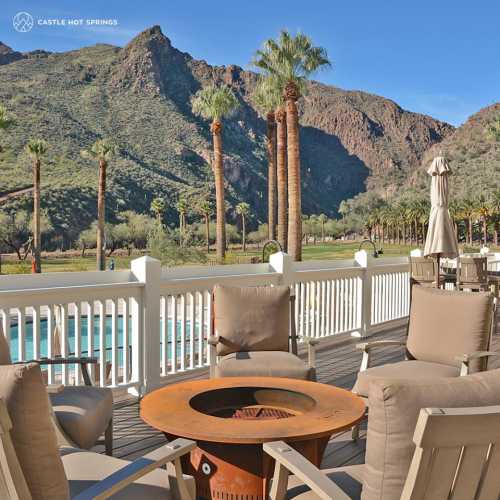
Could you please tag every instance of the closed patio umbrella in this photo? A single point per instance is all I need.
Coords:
(441, 240)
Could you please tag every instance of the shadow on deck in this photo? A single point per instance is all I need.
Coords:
(337, 364)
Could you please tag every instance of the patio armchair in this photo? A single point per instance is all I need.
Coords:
(472, 274)
(423, 271)
(255, 334)
(32, 466)
(82, 413)
(415, 448)
(449, 334)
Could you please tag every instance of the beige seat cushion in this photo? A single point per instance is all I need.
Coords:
(394, 409)
(83, 412)
(33, 435)
(252, 318)
(84, 469)
(263, 364)
(4, 349)
(411, 370)
(445, 324)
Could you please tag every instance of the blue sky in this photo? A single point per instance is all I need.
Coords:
(437, 57)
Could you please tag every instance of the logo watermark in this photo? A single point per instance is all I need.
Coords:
(24, 22)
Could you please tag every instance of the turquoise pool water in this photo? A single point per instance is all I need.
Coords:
(14, 345)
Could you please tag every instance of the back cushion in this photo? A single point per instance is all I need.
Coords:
(445, 324)
(4, 349)
(252, 318)
(394, 409)
(33, 435)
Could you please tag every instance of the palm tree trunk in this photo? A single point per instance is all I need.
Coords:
(485, 231)
(243, 233)
(207, 232)
(294, 184)
(219, 191)
(470, 230)
(282, 178)
(495, 233)
(101, 208)
(36, 216)
(271, 175)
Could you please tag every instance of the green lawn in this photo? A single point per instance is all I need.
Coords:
(320, 251)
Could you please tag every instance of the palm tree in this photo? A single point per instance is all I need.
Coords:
(483, 211)
(215, 103)
(36, 148)
(495, 211)
(182, 207)
(102, 150)
(206, 210)
(158, 207)
(292, 60)
(468, 212)
(5, 121)
(243, 209)
(322, 218)
(282, 177)
(267, 98)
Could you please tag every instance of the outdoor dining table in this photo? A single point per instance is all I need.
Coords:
(230, 419)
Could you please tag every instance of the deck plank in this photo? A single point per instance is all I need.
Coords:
(336, 365)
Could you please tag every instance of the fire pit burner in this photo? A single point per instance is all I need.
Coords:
(253, 413)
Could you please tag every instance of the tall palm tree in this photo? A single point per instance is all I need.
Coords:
(495, 211)
(5, 121)
(102, 151)
(36, 148)
(158, 207)
(483, 211)
(292, 60)
(206, 210)
(243, 209)
(267, 98)
(468, 212)
(182, 208)
(322, 218)
(215, 103)
(282, 176)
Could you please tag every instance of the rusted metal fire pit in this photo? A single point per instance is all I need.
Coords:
(230, 419)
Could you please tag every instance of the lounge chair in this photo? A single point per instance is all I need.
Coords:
(449, 335)
(437, 453)
(33, 467)
(82, 413)
(255, 334)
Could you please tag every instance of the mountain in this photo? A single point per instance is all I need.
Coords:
(474, 158)
(140, 96)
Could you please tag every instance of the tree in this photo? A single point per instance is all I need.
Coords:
(468, 210)
(243, 209)
(158, 207)
(483, 211)
(215, 103)
(206, 210)
(495, 211)
(36, 148)
(292, 60)
(182, 208)
(493, 130)
(322, 218)
(87, 239)
(267, 98)
(5, 121)
(102, 151)
(16, 231)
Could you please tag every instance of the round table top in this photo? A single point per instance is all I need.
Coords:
(332, 410)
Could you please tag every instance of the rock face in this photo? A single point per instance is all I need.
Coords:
(140, 95)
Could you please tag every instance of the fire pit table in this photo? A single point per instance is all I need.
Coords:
(230, 418)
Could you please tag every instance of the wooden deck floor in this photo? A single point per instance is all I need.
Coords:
(337, 365)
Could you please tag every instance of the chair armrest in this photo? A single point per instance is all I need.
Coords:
(54, 388)
(311, 349)
(465, 359)
(125, 476)
(309, 340)
(289, 460)
(213, 340)
(367, 347)
(68, 360)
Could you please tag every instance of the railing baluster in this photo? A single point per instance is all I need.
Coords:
(201, 319)
(21, 328)
(126, 340)
(102, 343)
(302, 308)
(50, 343)
(308, 308)
(78, 351)
(90, 338)
(63, 322)
(192, 305)
(210, 331)
(36, 332)
(114, 342)
(173, 341)
(183, 333)
(164, 335)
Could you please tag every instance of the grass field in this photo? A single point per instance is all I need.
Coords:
(321, 251)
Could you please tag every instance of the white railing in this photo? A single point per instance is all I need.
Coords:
(146, 324)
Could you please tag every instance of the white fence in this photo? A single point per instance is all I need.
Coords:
(146, 324)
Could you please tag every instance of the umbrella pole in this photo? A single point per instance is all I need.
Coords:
(438, 274)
